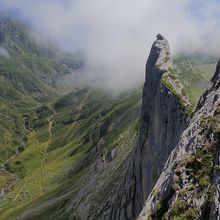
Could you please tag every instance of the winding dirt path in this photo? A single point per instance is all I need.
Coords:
(43, 161)
(50, 125)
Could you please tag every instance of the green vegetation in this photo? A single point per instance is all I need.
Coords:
(171, 81)
(217, 169)
(194, 73)
(28, 79)
(178, 210)
(79, 120)
(161, 209)
(186, 215)
(215, 121)
(198, 168)
(178, 207)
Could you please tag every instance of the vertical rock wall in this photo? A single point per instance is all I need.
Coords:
(162, 123)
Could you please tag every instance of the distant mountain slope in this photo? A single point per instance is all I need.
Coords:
(32, 69)
(56, 141)
(72, 147)
(195, 72)
(29, 75)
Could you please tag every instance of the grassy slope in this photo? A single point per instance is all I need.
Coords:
(79, 121)
(28, 78)
(55, 134)
(194, 72)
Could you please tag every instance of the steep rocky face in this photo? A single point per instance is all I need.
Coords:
(163, 119)
(188, 187)
(166, 113)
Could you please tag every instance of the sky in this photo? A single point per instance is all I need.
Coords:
(116, 35)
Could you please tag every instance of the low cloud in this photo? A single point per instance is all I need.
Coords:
(116, 35)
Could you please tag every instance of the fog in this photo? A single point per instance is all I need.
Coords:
(116, 35)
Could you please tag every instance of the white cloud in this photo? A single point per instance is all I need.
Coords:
(117, 34)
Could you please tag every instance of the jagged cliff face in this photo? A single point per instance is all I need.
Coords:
(188, 187)
(163, 119)
(166, 113)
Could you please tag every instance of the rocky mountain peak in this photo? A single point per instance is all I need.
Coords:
(160, 55)
(160, 37)
(160, 70)
(161, 112)
(162, 122)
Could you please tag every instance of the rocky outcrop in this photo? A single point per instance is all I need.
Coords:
(178, 149)
(188, 187)
(163, 120)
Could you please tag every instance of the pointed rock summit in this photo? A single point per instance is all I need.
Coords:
(160, 37)
(162, 123)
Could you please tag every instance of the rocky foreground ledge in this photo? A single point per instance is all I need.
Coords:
(189, 186)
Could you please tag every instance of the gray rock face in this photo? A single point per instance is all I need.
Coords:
(179, 154)
(191, 175)
(162, 123)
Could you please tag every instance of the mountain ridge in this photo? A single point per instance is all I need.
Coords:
(180, 192)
